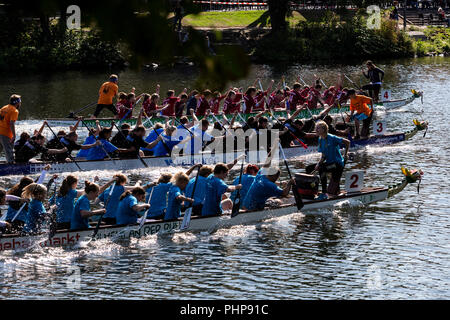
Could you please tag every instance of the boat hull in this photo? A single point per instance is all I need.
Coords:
(183, 161)
(210, 224)
(305, 114)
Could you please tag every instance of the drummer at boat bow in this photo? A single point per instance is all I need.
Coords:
(332, 160)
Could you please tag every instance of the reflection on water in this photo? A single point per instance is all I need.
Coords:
(397, 248)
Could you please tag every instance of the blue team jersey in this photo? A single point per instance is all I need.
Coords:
(77, 222)
(35, 216)
(125, 213)
(200, 190)
(330, 147)
(215, 188)
(161, 149)
(65, 206)
(173, 205)
(158, 204)
(261, 190)
(113, 202)
(22, 216)
(247, 181)
(84, 153)
(152, 137)
(97, 153)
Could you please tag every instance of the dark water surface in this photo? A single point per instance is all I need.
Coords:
(396, 249)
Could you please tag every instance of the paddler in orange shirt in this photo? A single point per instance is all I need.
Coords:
(108, 91)
(359, 107)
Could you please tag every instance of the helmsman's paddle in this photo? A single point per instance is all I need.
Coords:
(237, 200)
(188, 212)
(298, 197)
(72, 114)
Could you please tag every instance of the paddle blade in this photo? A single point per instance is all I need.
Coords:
(186, 220)
(236, 207)
(298, 199)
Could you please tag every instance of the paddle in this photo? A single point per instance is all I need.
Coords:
(18, 212)
(72, 114)
(62, 145)
(139, 156)
(97, 227)
(188, 212)
(141, 224)
(52, 214)
(237, 200)
(290, 131)
(352, 82)
(298, 197)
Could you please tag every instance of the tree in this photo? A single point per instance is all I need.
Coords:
(143, 27)
(278, 10)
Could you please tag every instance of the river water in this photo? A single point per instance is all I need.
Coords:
(394, 249)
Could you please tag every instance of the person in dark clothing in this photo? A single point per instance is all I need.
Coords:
(135, 141)
(70, 142)
(120, 139)
(33, 148)
(376, 76)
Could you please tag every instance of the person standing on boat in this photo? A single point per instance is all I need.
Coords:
(360, 111)
(215, 190)
(129, 206)
(332, 160)
(36, 210)
(376, 76)
(108, 91)
(176, 197)
(8, 117)
(82, 211)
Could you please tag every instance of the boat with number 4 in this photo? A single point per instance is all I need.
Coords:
(304, 114)
(206, 158)
(210, 223)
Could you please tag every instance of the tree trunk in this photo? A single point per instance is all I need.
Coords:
(45, 26)
(278, 10)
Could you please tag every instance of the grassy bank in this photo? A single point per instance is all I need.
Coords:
(235, 19)
(438, 42)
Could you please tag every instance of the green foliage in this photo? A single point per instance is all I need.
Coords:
(76, 50)
(438, 41)
(330, 38)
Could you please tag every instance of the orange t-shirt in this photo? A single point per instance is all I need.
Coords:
(359, 104)
(7, 114)
(107, 93)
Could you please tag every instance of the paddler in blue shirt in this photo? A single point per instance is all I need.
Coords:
(247, 180)
(264, 187)
(216, 188)
(200, 189)
(129, 207)
(332, 160)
